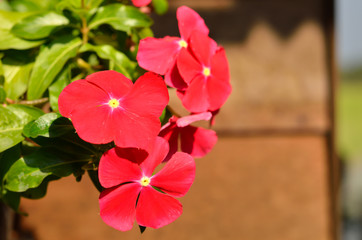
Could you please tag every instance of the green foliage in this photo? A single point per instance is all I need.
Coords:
(45, 45)
(39, 25)
(120, 17)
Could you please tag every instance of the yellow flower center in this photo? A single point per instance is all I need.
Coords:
(206, 71)
(145, 181)
(113, 103)
(182, 43)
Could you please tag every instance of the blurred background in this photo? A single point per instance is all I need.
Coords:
(288, 164)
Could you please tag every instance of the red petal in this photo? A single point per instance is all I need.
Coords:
(115, 84)
(197, 141)
(155, 209)
(177, 176)
(149, 96)
(86, 105)
(171, 134)
(218, 84)
(118, 206)
(174, 79)
(141, 3)
(203, 47)
(188, 66)
(135, 131)
(114, 170)
(158, 55)
(135, 155)
(185, 121)
(196, 96)
(155, 156)
(188, 21)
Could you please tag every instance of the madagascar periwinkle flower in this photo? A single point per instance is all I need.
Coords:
(196, 141)
(206, 71)
(107, 106)
(159, 55)
(130, 192)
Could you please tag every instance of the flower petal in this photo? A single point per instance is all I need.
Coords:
(86, 105)
(197, 141)
(113, 83)
(114, 170)
(196, 96)
(218, 85)
(188, 66)
(177, 176)
(141, 3)
(158, 55)
(135, 131)
(155, 209)
(185, 121)
(174, 79)
(188, 21)
(203, 47)
(149, 96)
(118, 206)
(155, 156)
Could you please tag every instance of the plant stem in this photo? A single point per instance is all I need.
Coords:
(34, 102)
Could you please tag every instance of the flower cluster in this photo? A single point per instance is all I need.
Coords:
(107, 107)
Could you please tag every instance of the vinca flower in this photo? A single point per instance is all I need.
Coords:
(160, 55)
(107, 106)
(206, 71)
(130, 192)
(195, 141)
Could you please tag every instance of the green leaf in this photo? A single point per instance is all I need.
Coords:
(160, 6)
(12, 120)
(23, 6)
(9, 19)
(41, 190)
(12, 199)
(49, 63)
(2, 95)
(118, 60)
(120, 17)
(16, 76)
(11, 128)
(39, 25)
(9, 40)
(76, 6)
(61, 81)
(30, 171)
(41, 126)
(25, 113)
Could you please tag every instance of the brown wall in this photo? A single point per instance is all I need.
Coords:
(270, 175)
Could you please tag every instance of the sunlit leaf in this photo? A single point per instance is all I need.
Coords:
(16, 76)
(41, 126)
(39, 25)
(61, 81)
(120, 17)
(118, 60)
(49, 63)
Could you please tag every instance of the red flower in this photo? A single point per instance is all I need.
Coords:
(141, 3)
(206, 71)
(195, 141)
(126, 181)
(159, 55)
(107, 106)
